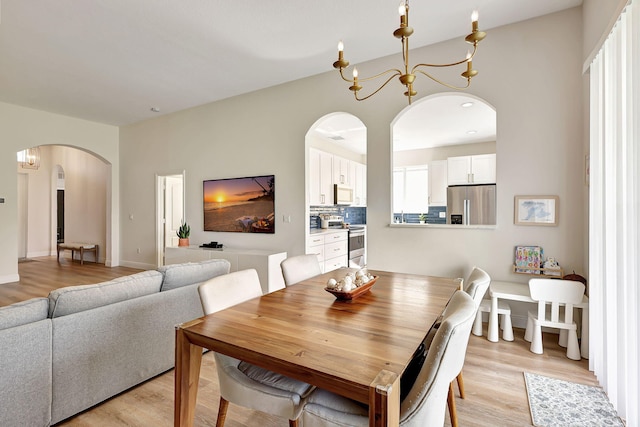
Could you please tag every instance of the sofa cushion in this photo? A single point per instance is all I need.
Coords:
(178, 275)
(74, 299)
(24, 312)
(25, 381)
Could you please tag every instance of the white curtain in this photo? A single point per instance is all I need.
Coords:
(614, 215)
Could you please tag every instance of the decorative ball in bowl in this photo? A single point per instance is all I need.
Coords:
(351, 286)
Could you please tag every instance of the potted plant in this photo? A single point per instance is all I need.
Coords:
(422, 217)
(183, 234)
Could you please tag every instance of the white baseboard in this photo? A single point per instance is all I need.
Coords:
(140, 265)
(38, 254)
(9, 278)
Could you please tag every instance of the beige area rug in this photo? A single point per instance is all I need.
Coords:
(554, 402)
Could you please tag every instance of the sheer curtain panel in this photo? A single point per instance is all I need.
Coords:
(614, 214)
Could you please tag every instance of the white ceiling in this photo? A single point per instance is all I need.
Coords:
(111, 61)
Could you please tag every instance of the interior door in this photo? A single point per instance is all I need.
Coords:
(173, 208)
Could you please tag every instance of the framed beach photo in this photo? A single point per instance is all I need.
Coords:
(240, 204)
(536, 210)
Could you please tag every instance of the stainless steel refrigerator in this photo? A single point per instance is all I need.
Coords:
(471, 204)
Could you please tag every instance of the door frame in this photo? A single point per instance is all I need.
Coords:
(160, 212)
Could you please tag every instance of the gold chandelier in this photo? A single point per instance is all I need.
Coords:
(405, 76)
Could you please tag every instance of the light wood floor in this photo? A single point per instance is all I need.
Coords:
(39, 276)
(493, 372)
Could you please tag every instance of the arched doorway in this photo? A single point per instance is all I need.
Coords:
(86, 185)
(336, 163)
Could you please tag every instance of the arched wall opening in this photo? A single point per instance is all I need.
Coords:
(87, 201)
(336, 155)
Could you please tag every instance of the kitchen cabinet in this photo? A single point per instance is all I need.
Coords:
(438, 183)
(320, 177)
(326, 169)
(331, 247)
(478, 169)
(341, 171)
(265, 262)
(358, 173)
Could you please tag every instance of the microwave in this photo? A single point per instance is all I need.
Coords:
(342, 194)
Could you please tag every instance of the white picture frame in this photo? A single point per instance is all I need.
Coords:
(536, 210)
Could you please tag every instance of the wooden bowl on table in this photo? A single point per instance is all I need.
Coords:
(353, 293)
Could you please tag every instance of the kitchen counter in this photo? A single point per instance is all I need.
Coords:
(315, 231)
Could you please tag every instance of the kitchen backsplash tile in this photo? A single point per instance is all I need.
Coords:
(352, 215)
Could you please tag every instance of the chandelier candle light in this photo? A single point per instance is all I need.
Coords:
(407, 78)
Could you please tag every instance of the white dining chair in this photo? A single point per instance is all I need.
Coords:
(242, 383)
(298, 268)
(477, 285)
(425, 403)
(556, 299)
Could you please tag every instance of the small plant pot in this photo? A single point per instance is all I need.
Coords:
(421, 221)
(183, 242)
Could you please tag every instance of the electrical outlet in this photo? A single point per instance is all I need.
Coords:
(442, 214)
(1, 199)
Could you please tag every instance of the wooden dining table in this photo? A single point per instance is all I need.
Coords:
(358, 349)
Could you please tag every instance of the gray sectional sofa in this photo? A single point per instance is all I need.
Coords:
(83, 344)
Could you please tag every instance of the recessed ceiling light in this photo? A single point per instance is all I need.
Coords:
(466, 104)
(471, 132)
(155, 109)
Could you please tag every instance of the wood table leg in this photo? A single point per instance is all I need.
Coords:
(451, 403)
(187, 375)
(384, 400)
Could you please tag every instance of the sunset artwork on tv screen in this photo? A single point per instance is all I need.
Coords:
(240, 204)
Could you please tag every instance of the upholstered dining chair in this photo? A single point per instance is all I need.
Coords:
(242, 383)
(425, 403)
(477, 285)
(556, 299)
(298, 268)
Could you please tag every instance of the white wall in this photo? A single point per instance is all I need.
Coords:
(37, 215)
(530, 72)
(22, 128)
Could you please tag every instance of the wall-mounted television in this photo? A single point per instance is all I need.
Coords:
(240, 204)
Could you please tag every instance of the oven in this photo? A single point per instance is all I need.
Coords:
(357, 246)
